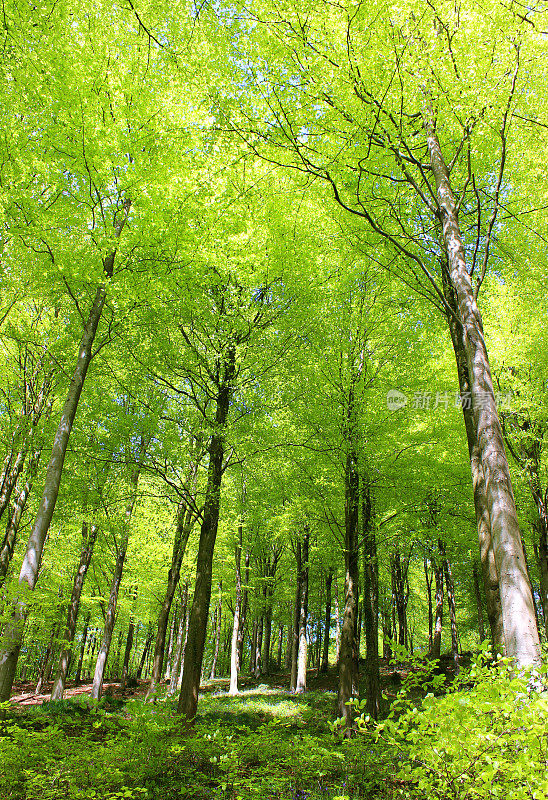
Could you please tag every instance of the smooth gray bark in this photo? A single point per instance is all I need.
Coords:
(185, 523)
(218, 618)
(190, 685)
(438, 624)
(13, 631)
(520, 630)
(110, 618)
(89, 537)
(14, 518)
(327, 625)
(302, 658)
(234, 659)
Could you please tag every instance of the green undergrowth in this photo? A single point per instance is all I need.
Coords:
(261, 744)
(483, 738)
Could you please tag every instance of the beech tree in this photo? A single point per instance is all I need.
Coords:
(403, 131)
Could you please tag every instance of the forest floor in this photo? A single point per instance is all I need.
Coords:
(264, 743)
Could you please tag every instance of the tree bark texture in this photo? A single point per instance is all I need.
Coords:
(13, 631)
(185, 523)
(89, 537)
(327, 625)
(188, 699)
(303, 617)
(520, 631)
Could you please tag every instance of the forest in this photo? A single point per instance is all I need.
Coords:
(273, 400)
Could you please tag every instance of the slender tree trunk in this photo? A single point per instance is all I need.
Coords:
(327, 626)
(267, 634)
(348, 660)
(520, 631)
(450, 588)
(479, 603)
(47, 658)
(279, 657)
(386, 631)
(371, 605)
(89, 537)
(185, 523)
(16, 512)
(148, 642)
(428, 579)
(218, 617)
(337, 623)
(110, 618)
(85, 630)
(258, 654)
(243, 616)
(234, 650)
(10, 479)
(188, 699)
(303, 618)
(171, 643)
(253, 653)
(13, 630)
(127, 653)
(296, 617)
(438, 575)
(289, 641)
(178, 651)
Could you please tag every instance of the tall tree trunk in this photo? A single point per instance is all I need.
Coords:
(280, 647)
(483, 521)
(267, 633)
(127, 653)
(178, 651)
(185, 523)
(85, 630)
(253, 653)
(303, 617)
(337, 623)
(218, 617)
(89, 537)
(370, 605)
(428, 576)
(479, 603)
(296, 617)
(348, 659)
(47, 658)
(327, 626)
(520, 631)
(450, 589)
(289, 641)
(110, 618)
(188, 699)
(14, 518)
(234, 654)
(438, 575)
(171, 643)
(13, 630)
(399, 583)
(259, 645)
(10, 479)
(243, 617)
(144, 654)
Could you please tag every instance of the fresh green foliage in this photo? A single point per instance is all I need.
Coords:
(484, 738)
(261, 744)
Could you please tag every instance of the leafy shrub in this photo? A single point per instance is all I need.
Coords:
(485, 738)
